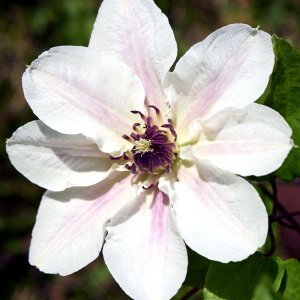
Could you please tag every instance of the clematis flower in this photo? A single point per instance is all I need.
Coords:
(145, 160)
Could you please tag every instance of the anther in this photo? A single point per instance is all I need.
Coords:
(155, 108)
(126, 137)
(139, 113)
(168, 169)
(134, 136)
(171, 128)
(147, 187)
(115, 158)
(135, 125)
(133, 169)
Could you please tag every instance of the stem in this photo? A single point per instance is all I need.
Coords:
(288, 225)
(272, 240)
(291, 220)
(189, 294)
(275, 197)
(287, 215)
(277, 206)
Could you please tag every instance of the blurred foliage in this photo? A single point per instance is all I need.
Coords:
(27, 28)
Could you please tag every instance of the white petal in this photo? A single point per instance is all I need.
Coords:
(230, 68)
(218, 214)
(69, 230)
(76, 90)
(143, 250)
(139, 34)
(254, 140)
(56, 161)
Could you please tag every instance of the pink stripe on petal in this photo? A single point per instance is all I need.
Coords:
(74, 93)
(218, 214)
(230, 68)
(159, 215)
(143, 250)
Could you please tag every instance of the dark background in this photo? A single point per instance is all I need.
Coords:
(29, 27)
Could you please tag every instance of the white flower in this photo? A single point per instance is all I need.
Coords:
(163, 181)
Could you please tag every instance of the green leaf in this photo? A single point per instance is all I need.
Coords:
(197, 269)
(291, 284)
(283, 95)
(238, 281)
(265, 291)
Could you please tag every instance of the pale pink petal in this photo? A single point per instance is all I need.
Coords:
(254, 140)
(218, 214)
(230, 68)
(143, 250)
(56, 161)
(139, 34)
(70, 225)
(75, 90)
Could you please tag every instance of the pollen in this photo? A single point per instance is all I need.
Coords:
(143, 146)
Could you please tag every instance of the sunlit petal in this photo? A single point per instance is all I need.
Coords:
(74, 90)
(230, 68)
(218, 214)
(251, 141)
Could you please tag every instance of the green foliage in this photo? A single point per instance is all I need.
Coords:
(258, 277)
(283, 95)
(197, 269)
(238, 280)
(291, 284)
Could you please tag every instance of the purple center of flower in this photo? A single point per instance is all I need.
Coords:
(154, 144)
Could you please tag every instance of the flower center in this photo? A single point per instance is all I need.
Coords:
(154, 144)
(143, 146)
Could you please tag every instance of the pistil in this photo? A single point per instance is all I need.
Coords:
(143, 146)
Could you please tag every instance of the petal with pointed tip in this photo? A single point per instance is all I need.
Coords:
(218, 214)
(75, 90)
(230, 68)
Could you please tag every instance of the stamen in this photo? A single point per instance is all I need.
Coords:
(134, 136)
(135, 125)
(154, 146)
(147, 187)
(155, 108)
(139, 113)
(128, 167)
(126, 137)
(168, 169)
(133, 169)
(171, 128)
(148, 121)
(115, 158)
